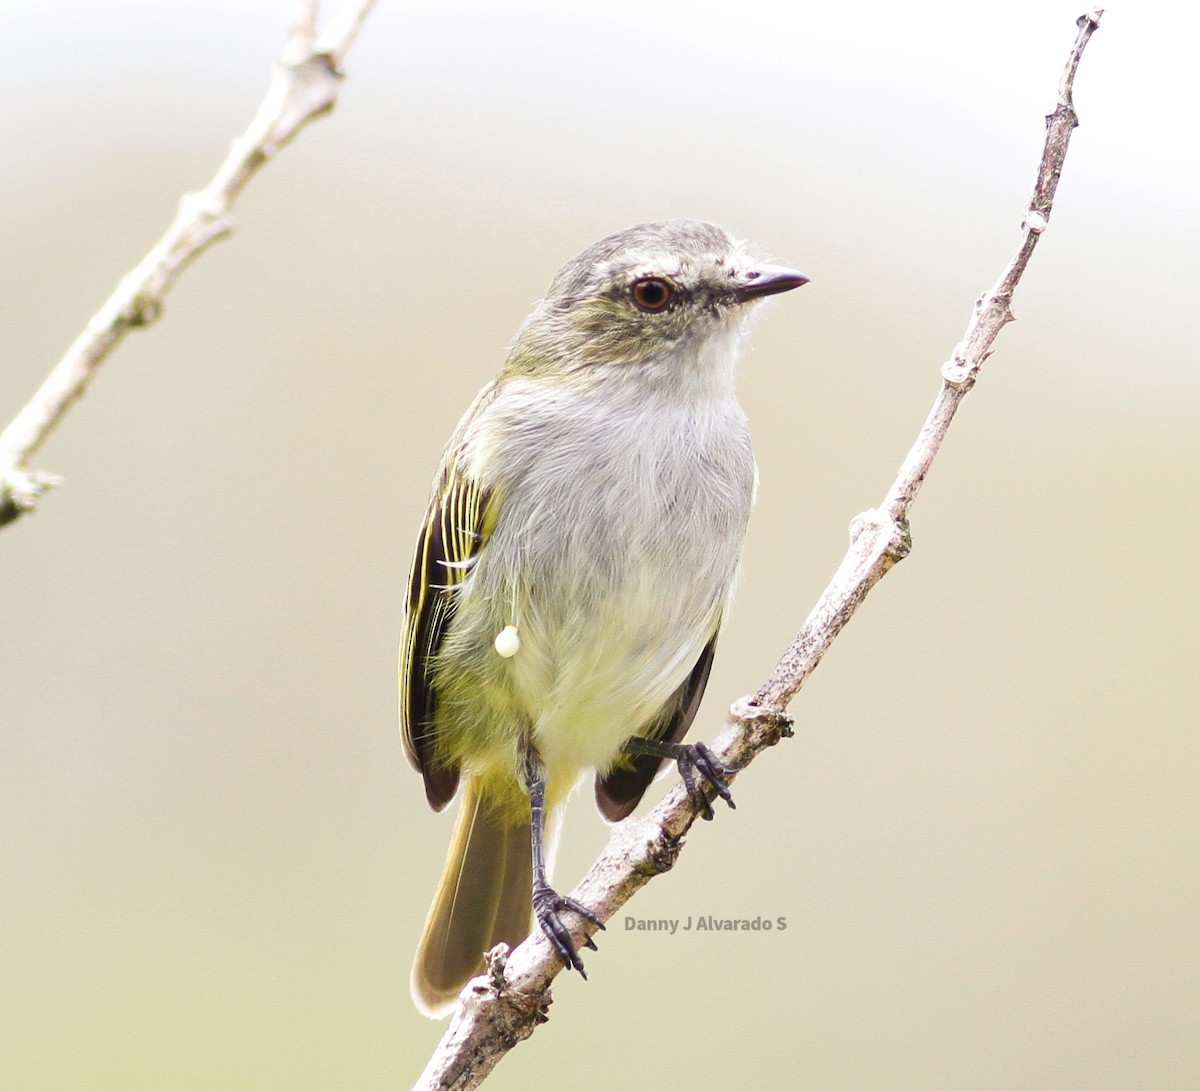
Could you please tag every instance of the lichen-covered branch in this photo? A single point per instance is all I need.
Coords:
(304, 86)
(503, 1007)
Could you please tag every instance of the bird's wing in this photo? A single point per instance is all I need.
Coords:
(460, 519)
(620, 789)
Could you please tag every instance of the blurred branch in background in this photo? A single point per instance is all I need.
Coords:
(503, 1007)
(304, 86)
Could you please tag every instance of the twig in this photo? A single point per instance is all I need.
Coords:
(880, 537)
(503, 1007)
(304, 86)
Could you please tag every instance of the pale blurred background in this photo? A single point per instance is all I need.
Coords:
(214, 861)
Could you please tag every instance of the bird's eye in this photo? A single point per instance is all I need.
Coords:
(651, 293)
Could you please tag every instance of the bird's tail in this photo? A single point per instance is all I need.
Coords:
(484, 898)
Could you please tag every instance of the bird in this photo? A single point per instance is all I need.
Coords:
(575, 562)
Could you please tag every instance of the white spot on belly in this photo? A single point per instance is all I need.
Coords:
(508, 642)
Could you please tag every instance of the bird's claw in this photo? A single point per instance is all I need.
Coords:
(547, 903)
(693, 758)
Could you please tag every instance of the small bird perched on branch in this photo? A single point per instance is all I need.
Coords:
(569, 581)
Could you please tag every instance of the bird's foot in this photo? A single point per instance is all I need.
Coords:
(547, 903)
(696, 758)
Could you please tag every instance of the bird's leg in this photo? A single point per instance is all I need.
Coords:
(690, 758)
(547, 902)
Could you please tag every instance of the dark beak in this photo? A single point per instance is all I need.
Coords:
(764, 280)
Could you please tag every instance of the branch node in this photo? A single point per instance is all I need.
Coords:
(878, 531)
(499, 990)
(494, 962)
(1034, 222)
(959, 374)
(21, 490)
(515, 1011)
(661, 855)
(768, 724)
(875, 519)
(144, 309)
(1001, 302)
(309, 88)
(205, 215)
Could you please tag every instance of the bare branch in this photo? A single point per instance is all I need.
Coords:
(304, 86)
(880, 537)
(503, 1007)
